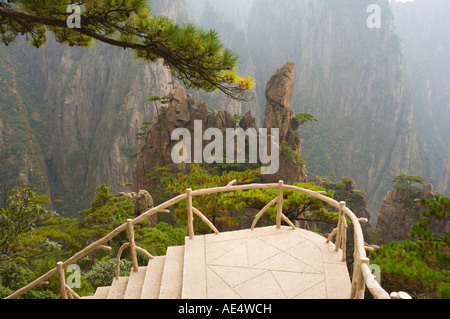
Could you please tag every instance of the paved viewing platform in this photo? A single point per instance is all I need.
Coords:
(264, 263)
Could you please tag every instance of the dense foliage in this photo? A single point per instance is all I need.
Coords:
(419, 266)
(219, 208)
(34, 239)
(23, 211)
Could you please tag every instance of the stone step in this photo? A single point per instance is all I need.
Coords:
(172, 279)
(153, 278)
(102, 292)
(194, 270)
(135, 283)
(118, 288)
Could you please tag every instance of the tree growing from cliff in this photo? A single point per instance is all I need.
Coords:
(303, 118)
(407, 181)
(195, 56)
(421, 266)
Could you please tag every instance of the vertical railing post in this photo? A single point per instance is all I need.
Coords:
(132, 244)
(356, 268)
(339, 227)
(279, 203)
(62, 280)
(190, 213)
(341, 237)
(360, 283)
(344, 240)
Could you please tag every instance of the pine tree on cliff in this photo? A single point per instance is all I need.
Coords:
(195, 56)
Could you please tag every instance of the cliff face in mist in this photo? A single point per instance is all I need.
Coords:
(70, 115)
(350, 78)
(424, 28)
(235, 11)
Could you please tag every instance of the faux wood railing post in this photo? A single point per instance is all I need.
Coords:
(356, 268)
(132, 244)
(190, 213)
(340, 226)
(344, 240)
(343, 232)
(62, 280)
(360, 283)
(279, 203)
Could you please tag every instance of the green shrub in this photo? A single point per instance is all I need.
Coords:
(103, 272)
(157, 240)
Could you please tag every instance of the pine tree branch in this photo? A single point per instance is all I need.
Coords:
(196, 69)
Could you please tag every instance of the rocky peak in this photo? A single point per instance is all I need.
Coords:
(142, 202)
(400, 212)
(181, 112)
(278, 111)
(279, 114)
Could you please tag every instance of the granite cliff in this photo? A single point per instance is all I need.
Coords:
(279, 114)
(400, 211)
(156, 146)
(423, 26)
(349, 77)
(69, 115)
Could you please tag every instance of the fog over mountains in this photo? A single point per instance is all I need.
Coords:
(68, 116)
(381, 95)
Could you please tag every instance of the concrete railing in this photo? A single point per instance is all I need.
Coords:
(362, 275)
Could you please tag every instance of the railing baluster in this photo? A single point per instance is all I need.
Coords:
(344, 226)
(356, 265)
(339, 228)
(62, 280)
(360, 283)
(279, 203)
(205, 220)
(258, 216)
(132, 245)
(190, 213)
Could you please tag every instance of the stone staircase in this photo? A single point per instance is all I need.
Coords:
(160, 279)
(263, 263)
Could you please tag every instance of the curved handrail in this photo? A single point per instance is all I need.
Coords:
(362, 275)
